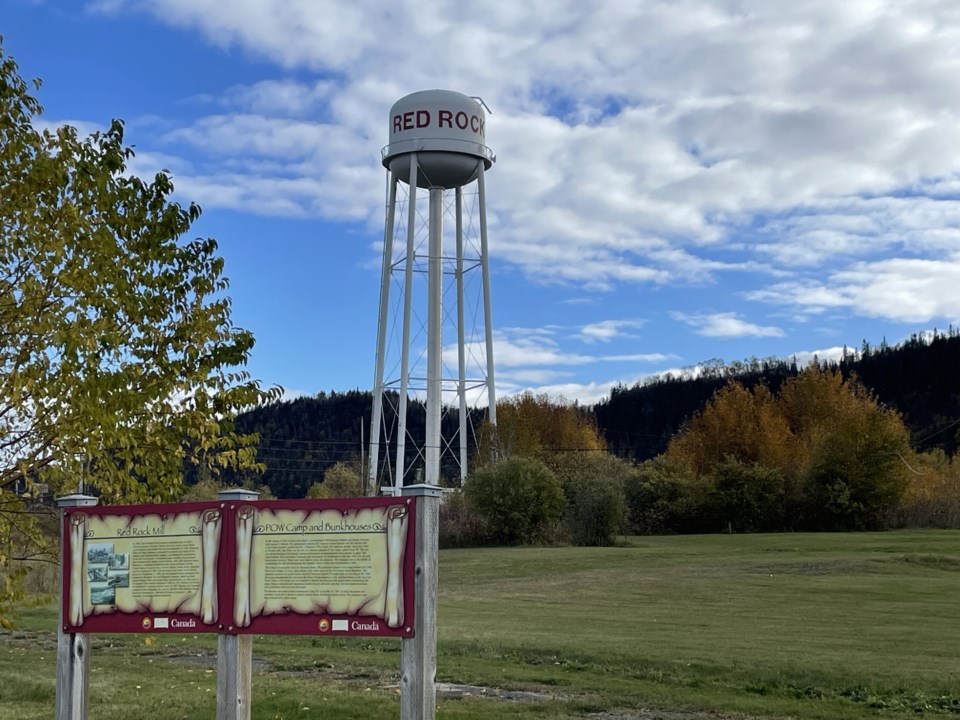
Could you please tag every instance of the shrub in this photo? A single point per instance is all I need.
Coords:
(596, 509)
(340, 480)
(664, 497)
(750, 497)
(932, 498)
(459, 527)
(520, 499)
(646, 492)
(210, 489)
(207, 489)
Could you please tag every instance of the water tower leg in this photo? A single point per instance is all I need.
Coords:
(461, 347)
(487, 319)
(385, 278)
(407, 301)
(434, 336)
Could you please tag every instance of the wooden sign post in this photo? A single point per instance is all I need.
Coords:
(235, 653)
(73, 648)
(418, 690)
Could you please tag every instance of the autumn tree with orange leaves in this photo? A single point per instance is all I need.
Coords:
(823, 454)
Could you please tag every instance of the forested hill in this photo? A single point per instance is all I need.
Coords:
(919, 378)
(301, 438)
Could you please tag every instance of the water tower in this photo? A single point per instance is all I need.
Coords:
(437, 261)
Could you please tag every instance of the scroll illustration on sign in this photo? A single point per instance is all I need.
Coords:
(78, 531)
(210, 533)
(246, 516)
(395, 543)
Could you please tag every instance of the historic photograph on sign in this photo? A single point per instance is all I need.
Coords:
(99, 553)
(102, 594)
(313, 562)
(97, 573)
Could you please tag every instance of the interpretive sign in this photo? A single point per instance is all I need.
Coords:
(302, 567)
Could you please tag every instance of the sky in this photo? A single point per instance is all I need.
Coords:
(676, 181)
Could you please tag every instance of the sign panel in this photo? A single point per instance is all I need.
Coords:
(302, 569)
(341, 567)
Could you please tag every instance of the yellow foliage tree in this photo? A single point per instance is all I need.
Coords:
(340, 480)
(842, 459)
(744, 424)
(857, 454)
(932, 497)
(535, 426)
(118, 355)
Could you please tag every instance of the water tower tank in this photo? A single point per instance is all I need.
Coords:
(447, 130)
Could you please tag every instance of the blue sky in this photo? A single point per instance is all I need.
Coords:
(676, 181)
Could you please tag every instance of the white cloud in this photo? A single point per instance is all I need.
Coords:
(607, 330)
(283, 98)
(84, 127)
(591, 393)
(536, 356)
(583, 393)
(533, 376)
(725, 325)
(257, 135)
(638, 357)
(831, 354)
(907, 290)
(518, 352)
(632, 137)
(833, 230)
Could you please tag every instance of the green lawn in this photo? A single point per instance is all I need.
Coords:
(810, 626)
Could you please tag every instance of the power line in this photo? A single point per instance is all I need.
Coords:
(943, 429)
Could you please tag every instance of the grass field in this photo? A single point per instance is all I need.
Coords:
(808, 626)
